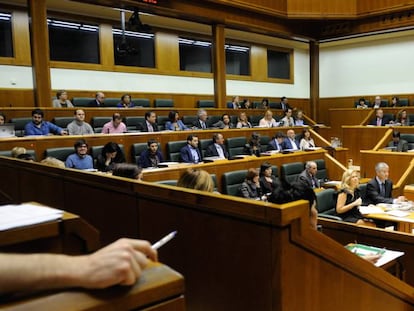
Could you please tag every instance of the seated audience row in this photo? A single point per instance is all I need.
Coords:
(381, 120)
(378, 102)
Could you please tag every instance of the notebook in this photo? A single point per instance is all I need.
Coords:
(7, 130)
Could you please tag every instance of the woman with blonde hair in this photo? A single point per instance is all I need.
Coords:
(349, 199)
(196, 179)
(242, 121)
(268, 120)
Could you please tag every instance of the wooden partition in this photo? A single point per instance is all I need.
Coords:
(235, 254)
(159, 289)
(41, 143)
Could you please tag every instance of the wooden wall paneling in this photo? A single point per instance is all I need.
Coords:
(347, 116)
(21, 38)
(290, 259)
(258, 60)
(219, 65)
(106, 46)
(383, 6)
(16, 98)
(167, 57)
(321, 8)
(40, 52)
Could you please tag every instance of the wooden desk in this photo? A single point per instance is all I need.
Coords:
(404, 224)
(70, 235)
(159, 289)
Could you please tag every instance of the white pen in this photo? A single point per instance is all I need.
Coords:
(164, 240)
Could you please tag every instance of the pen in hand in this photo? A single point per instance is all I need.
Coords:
(164, 240)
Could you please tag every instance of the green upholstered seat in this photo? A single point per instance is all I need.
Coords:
(81, 101)
(163, 102)
(136, 150)
(173, 149)
(97, 123)
(62, 121)
(235, 145)
(326, 204)
(291, 171)
(133, 122)
(231, 181)
(141, 102)
(206, 103)
(60, 153)
(19, 124)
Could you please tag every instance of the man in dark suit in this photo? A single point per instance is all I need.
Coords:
(217, 148)
(150, 123)
(290, 141)
(152, 156)
(277, 142)
(98, 101)
(201, 122)
(379, 189)
(308, 176)
(399, 144)
(190, 153)
(284, 105)
(380, 119)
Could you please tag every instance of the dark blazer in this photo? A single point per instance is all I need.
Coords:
(94, 103)
(373, 196)
(268, 188)
(143, 127)
(197, 124)
(274, 145)
(384, 120)
(288, 145)
(211, 151)
(186, 155)
(306, 179)
(249, 191)
(401, 147)
(144, 158)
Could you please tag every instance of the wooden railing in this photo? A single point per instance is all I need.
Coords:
(234, 253)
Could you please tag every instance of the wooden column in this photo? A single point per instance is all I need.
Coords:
(219, 66)
(314, 79)
(39, 42)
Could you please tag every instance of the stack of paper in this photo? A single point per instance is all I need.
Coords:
(15, 216)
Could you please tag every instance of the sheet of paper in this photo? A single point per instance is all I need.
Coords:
(397, 213)
(370, 209)
(15, 216)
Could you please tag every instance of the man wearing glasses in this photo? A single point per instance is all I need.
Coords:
(80, 160)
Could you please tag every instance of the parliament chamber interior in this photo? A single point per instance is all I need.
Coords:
(339, 68)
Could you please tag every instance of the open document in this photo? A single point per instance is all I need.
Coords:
(386, 254)
(20, 215)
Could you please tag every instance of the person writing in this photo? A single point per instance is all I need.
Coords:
(120, 263)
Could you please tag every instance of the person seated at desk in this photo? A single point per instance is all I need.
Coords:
(290, 141)
(79, 126)
(268, 120)
(253, 147)
(224, 123)
(26, 157)
(126, 102)
(115, 126)
(402, 119)
(246, 104)
(80, 160)
(62, 100)
(250, 188)
(235, 102)
(174, 122)
(377, 102)
(51, 161)
(99, 100)
(196, 179)
(306, 141)
(39, 127)
(380, 119)
(201, 122)
(128, 171)
(264, 104)
(242, 121)
(379, 188)
(119, 263)
(111, 154)
(268, 181)
(362, 104)
(217, 148)
(16, 151)
(277, 142)
(308, 175)
(299, 120)
(349, 199)
(152, 156)
(150, 123)
(284, 103)
(287, 120)
(2, 118)
(399, 144)
(190, 153)
(394, 101)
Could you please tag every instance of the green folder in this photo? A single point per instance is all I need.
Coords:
(362, 250)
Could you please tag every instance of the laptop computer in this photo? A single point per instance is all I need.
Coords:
(7, 130)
